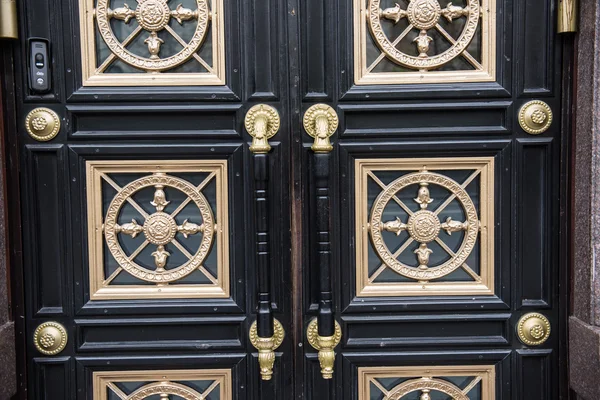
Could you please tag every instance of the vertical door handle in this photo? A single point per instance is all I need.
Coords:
(324, 332)
(266, 333)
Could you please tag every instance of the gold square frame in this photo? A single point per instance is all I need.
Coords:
(99, 290)
(92, 74)
(365, 285)
(363, 74)
(417, 378)
(102, 381)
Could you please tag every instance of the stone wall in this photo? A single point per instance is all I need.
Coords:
(584, 323)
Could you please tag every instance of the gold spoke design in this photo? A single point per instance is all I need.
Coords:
(395, 255)
(396, 199)
(139, 250)
(465, 266)
(184, 44)
(116, 390)
(465, 53)
(129, 199)
(201, 186)
(453, 196)
(189, 256)
(472, 385)
(210, 389)
(394, 44)
(112, 56)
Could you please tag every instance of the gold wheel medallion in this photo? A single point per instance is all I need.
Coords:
(159, 229)
(423, 15)
(424, 226)
(152, 16)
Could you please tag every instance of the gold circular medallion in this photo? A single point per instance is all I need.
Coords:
(424, 14)
(50, 338)
(42, 124)
(271, 343)
(164, 389)
(535, 117)
(312, 334)
(266, 111)
(160, 228)
(153, 15)
(424, 226)
(533, 329)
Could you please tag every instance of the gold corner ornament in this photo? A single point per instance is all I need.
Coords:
(42, 124)
(262, 123)
(266, 348)
(50, 338)
(533, 329)
(535, 117)
(567, 16)
(325, 345)
(321, 122)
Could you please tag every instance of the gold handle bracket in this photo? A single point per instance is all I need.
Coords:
(262, 123)
(567, 16)
(321, 122)
(266, 348)
(325, 346)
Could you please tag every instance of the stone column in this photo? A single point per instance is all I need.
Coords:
(584, 323)
(7, 328)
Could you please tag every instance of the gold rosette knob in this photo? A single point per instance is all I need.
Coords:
(266, 348)
(325, 346)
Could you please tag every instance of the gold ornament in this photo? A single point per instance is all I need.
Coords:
(535, 117)
(321, 122)
(325, 345)
(50, 338)
(533, 329)
(262, 123)
(42, 124)
(266, 348)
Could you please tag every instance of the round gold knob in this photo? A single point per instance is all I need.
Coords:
(42, 124)
(50, 338)
(535, 117)
(533, 329)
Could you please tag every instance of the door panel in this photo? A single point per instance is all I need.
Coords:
(139, 216)
(428, 281)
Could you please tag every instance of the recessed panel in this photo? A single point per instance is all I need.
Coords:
(424, 41)
(158, 229)
(184, 384)
(424, 226)
(152, 42)
(431, 382)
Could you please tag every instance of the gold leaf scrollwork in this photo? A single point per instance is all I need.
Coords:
(424, 15)
(266, 348)
(424, 226)
(425, 385)
(159, 229)
(153, 16)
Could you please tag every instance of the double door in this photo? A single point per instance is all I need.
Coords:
(351, 199)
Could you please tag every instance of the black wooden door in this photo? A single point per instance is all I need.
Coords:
(378, 185)
(149, 220)
(434, 232)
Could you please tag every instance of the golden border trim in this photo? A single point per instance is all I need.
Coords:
(162, 381)
(483, 286)
(363, 76)
(92, 77)
(424, 378)
(98, 290)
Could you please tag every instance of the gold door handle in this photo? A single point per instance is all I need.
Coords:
(266, 333)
